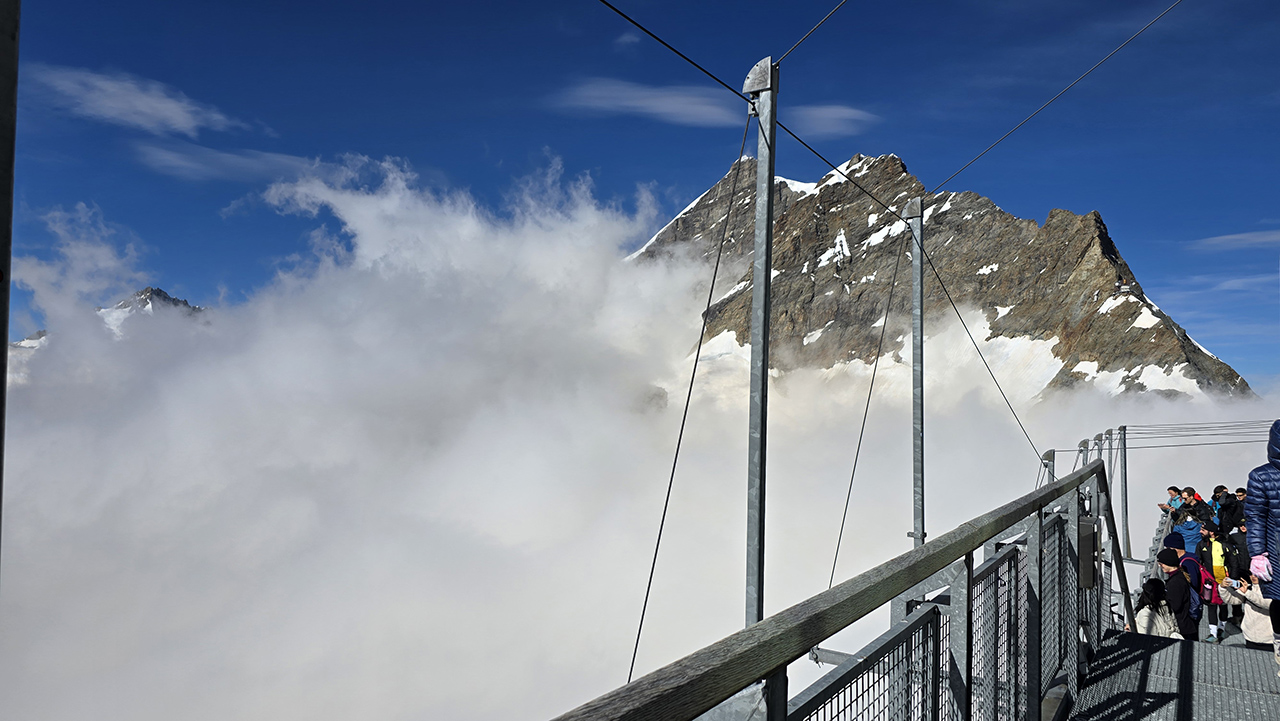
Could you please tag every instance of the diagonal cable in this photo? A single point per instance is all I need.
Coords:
(733, 190)
(888, 306)
(815, 27)
(668, 46)
(920, 247)
(1060, 94)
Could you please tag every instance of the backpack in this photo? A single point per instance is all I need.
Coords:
(1196, 607)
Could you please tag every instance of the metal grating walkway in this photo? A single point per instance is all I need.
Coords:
(1136, 677)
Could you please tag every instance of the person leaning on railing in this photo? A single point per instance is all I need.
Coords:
(1175, 499)
(1262, 517)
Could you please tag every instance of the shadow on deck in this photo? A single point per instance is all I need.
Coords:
(1134, 677)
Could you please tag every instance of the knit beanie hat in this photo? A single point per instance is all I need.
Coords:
(1175, 540)
(1168, 557)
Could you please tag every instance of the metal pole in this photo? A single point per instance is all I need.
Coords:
(1070, 610)
(9, 13)
(762, 86)
(1049, 458)
(912, 214)
(1124, 490)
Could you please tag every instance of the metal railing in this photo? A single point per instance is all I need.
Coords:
(968, 641)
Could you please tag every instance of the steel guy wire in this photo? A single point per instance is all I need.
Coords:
(875, 366)
(815, 27)
(684, 57)
(1173, 445)
(1060, 94)
(684, 417)
(920, 247)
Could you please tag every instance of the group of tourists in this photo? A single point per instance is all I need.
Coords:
(1219, 562)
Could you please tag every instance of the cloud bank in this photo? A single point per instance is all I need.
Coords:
(433, 454)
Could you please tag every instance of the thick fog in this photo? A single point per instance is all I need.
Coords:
(419, 474)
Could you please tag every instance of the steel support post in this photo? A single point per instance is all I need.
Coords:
(761, 85)
(912, 214)
(960, 625)
(775, 695)
(1117, 562)
(9, 12)
(1097, 447)
(1049, 465)
(1070, 610)
(1101, 547)
(1123, 474)
(1082, 451)
(1033, 530)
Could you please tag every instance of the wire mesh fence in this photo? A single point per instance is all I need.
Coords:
(898, 679)
(999, 621)
(1052, 582)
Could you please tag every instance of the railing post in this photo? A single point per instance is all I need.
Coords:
(1124, 489)
(1071, 609)
(1049, 463)
(1034, 530)
(960, 623)
(1117, 561)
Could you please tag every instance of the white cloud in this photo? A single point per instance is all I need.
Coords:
(829, 121)
(197, 162)
(695, 106)
(421, 454)
(626, 40)
(127, 100)
(1252, 239)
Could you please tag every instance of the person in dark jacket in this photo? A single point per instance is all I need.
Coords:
(1230, 511)
(1221, 558)
(1262, 519)
(1177, 593)
(1195, 506)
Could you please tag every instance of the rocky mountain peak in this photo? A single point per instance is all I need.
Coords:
(836, 252)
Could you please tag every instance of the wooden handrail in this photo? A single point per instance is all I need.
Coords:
(698, 682)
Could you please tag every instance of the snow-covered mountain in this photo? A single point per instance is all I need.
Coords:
(145, 301)
(1061, 287)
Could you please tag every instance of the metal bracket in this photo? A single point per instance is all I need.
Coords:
(764, 76)
(912, 209)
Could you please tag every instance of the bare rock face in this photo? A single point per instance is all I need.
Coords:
(836, 252)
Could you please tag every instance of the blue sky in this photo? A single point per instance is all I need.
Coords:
(169, 121)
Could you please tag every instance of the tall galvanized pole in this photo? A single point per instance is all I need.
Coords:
(912, 215)
(1124, 488)
(9, 12)
(762, 86)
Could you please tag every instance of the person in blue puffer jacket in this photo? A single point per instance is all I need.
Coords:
(1187, 525)
(1262, 519)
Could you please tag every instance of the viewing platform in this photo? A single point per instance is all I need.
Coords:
(1134, 677)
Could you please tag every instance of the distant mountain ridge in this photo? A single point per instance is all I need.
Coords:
(1064, 283)
(144, 301)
